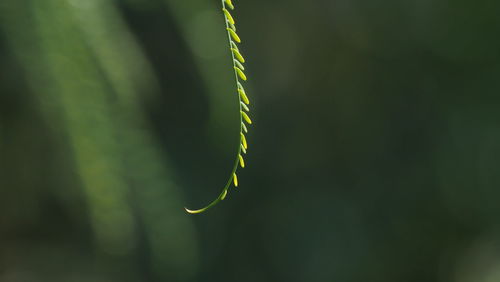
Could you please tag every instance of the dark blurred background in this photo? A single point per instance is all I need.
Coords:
(374, 154)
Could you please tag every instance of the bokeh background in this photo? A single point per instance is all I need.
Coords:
(374, 155)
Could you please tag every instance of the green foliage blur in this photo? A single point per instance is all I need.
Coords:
(374, 155)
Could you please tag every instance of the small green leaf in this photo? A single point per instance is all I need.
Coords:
(235, 180)
(234, 35)
(238, 55)
(246, 117)
(232, 26)
(224, 195)
(233, 45)
(239, 65)
(229, 4)
(244, 106)
(244, 141)
(242, 162)
(244, 96)
(228, 16)
(240, 73)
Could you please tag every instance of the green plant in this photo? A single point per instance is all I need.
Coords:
(239, 74)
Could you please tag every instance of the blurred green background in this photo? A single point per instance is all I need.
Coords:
(374, 155)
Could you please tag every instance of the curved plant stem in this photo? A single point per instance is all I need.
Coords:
(237, 60)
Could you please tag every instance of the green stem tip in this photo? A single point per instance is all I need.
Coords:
(237, 60)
